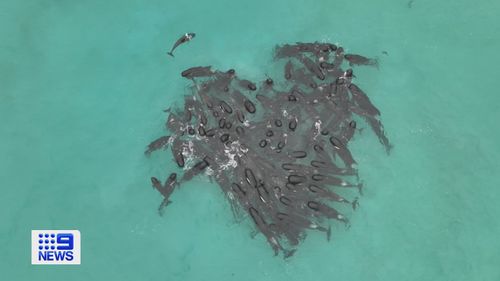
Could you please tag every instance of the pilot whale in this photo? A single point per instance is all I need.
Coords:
(185, 38)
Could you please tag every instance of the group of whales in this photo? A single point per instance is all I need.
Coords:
(278, 149)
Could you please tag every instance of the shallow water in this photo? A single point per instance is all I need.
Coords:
(83, 85)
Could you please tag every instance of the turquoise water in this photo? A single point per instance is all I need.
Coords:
(83, 85)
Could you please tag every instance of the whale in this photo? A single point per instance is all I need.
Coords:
(184, 38)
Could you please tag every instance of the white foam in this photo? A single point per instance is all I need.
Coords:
(231, 151)
(188, 152)
(317, 125)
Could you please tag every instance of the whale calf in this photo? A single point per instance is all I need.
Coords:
(184, 38)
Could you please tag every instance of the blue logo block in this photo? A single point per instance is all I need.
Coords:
(65, 241)
(55, 247)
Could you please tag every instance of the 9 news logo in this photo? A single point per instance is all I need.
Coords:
(55, 247)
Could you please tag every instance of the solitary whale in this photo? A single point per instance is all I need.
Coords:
(185, 38)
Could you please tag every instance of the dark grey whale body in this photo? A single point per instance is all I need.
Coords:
(198, 71)
(278, 149)
(165, 189)
(354, 59)
(184, 38)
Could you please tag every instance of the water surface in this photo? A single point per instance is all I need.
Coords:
(83, 85)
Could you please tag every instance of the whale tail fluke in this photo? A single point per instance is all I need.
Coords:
(170, 54)
(163, 204)
(355, 203)
(288, 253)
